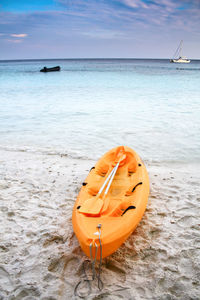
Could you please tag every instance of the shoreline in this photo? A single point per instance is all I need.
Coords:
(40, 256)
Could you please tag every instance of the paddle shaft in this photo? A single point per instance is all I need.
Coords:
(113, 175)
(106, 181)
(106, 200)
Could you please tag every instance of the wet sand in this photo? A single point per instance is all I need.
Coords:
(40, 257)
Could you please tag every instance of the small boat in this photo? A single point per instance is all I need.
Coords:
(178, 58)
(53, 69)
(111, 202)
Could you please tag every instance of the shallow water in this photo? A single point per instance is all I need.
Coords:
(148, 105)
(53, 127)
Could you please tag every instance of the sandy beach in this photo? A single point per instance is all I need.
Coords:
(117, 73)
(40, 257)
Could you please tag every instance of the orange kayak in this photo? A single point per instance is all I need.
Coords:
(103, 221)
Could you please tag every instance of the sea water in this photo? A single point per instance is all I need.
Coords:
(92, 105)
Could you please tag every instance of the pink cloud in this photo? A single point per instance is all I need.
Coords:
(20, 35)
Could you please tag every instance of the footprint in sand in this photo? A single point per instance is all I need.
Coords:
(117, 271)
(186, 221)
(26, 293)
(69, 277)
(72, 264)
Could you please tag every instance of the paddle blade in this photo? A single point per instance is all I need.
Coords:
(91, 206)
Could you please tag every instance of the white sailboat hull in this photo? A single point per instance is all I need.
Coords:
(180, 61)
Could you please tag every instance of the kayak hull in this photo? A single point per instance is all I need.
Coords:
(126, 202)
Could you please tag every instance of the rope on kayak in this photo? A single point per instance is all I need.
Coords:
(86, 280)
(77, 287)
(93, 261)
(100, 282)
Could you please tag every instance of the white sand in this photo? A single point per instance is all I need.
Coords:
(40, 257)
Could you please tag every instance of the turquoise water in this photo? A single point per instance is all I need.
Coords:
(93, 105)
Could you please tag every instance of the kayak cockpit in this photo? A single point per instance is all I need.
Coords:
(121, 192)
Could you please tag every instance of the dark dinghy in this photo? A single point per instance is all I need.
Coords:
(45, 69)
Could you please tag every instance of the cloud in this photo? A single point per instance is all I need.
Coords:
(135, 3)
(14, 41)
(20, 35)
(166, 4)
(88, 25)
(135, 12)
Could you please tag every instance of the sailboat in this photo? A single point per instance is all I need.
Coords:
(178, 58)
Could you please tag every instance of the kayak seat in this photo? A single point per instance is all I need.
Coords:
(132, 167)
(122, 207)
(93, 191)
(102, 169)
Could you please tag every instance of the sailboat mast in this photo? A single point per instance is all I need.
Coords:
(178, 50)
(181, 46)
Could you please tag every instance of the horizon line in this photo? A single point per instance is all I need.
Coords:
(89, 58)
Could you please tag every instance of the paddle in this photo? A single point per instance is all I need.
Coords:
(106, 203)
(94, 205)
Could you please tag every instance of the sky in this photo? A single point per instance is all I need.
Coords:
(31, 29)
